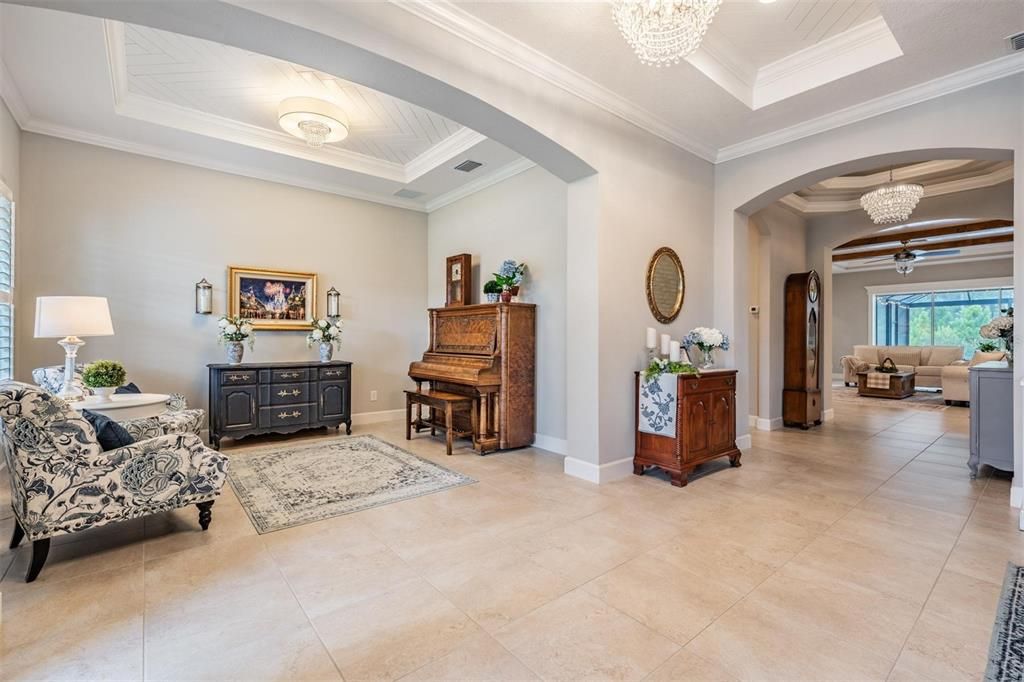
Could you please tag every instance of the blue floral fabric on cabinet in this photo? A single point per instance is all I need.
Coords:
(658, 405)
(62, 481)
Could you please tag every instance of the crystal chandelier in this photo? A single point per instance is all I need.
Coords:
(893, 202)
(313, 120)
(662, 32)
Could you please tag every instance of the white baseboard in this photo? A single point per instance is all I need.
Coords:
(752, 421)
(559, 446)
(603, 473)
(828, 415)
(744, 442)
(763, 424)
(376, 417)
(1017, 497)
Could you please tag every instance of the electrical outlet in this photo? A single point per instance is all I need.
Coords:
(373, 396)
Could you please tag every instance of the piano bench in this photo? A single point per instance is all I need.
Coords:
(441, 401)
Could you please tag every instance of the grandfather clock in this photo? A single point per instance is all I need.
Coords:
(801, 395)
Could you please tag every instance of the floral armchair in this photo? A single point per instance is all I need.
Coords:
(62, 482)
(177, 419)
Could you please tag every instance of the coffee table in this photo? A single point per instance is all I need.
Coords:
(901, 385)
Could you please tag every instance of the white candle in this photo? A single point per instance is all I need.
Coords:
(673, 353)
(652, 338)
(665, 340)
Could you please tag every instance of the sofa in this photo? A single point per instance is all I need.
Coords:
(927, 361)
(956, 385)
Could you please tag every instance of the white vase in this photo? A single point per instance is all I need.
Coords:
(235, 352)
(103, 393)
(326, 351)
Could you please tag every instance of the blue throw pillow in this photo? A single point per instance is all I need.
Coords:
(109, 433)
(128, 388)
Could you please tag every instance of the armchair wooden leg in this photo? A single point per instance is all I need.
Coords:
(40, 548)
(17, 535)
(205, 513)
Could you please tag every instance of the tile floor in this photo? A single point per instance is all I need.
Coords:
(857, 551)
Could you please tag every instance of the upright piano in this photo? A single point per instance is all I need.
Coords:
(485, 351)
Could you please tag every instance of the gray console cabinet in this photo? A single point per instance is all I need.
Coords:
(278, 397)
(991, 385)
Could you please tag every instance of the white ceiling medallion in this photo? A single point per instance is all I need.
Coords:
(313, 120)
(662, 32)
(892, 203)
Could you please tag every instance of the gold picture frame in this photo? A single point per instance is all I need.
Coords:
(272, 299)
(665, 285)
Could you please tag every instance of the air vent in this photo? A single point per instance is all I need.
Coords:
(408, 194)
(468, 166)
(1017, 41)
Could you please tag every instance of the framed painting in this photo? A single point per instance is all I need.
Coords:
(272, 299)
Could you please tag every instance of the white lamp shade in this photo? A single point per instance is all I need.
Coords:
(60, 316)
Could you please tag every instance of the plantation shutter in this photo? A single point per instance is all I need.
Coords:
(6, 285)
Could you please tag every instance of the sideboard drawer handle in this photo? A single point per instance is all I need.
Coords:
(728, 382)
(694, 385)
(238, 377)
(285, 415)
(290, 375)
(287, 393)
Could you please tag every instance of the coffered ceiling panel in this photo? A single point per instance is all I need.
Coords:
(246, 87)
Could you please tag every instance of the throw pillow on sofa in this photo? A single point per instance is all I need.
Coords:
(109, 433)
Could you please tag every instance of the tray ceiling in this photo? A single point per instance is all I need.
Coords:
(247, 87)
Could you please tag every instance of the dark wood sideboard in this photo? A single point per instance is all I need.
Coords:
(278, 397)
(705, 426)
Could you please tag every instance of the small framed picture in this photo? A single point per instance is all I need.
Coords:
(272, 299)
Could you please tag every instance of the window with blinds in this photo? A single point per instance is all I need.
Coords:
(6, 285)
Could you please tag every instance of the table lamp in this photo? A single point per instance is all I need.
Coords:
(67, 318)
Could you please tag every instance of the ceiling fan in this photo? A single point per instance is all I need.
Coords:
(905, 257)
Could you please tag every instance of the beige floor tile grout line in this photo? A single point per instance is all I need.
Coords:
(823, 532)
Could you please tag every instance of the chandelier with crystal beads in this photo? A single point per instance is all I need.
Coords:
(892, 203)
(662, 32)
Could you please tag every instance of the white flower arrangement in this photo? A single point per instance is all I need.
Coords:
(324, 331)
(234, 329)
(706, 338)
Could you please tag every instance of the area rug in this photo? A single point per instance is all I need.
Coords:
(922, 400)
(285, 486)
(1006, 651)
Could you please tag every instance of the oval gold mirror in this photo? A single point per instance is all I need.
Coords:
(666, 285)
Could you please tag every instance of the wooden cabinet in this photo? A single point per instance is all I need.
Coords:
(705, 426)
(801, 370)
(256, 398)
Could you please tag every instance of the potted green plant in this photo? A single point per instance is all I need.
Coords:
(103, 377)
(492, 290)
(509, 277)
(987, 346)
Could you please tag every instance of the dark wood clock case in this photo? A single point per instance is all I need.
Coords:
(801, 395)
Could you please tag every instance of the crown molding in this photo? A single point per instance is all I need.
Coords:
(208, 162)
(915, 94)
(906, 173)
(503, 173)
(446, 15)
(458, 143)
(10, 94)
(854, 50)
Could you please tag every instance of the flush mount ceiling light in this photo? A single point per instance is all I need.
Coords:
(313, 120)
(662, 32)
(893, 202)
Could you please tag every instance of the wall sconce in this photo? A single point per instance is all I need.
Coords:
(333, 303)
(204, 297)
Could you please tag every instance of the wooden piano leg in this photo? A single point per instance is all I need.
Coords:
(408, 417)
(448, 427)
(485, 422)
(474, 420)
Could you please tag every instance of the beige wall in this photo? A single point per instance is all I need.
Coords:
(10, 145)
(851, 298)
(142, 231)
(780, 253)
(524, 218)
